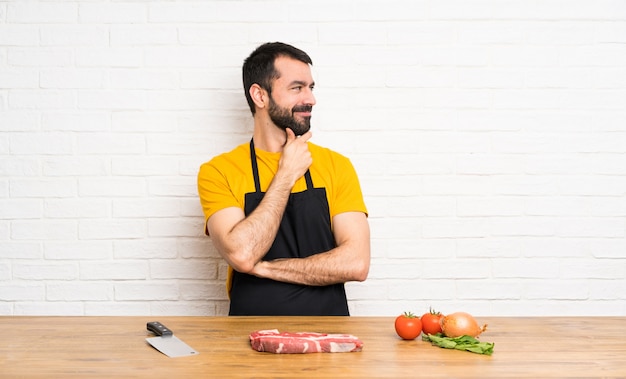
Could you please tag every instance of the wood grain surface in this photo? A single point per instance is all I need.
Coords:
(107, 347)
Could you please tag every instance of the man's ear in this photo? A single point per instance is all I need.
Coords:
(258, 95)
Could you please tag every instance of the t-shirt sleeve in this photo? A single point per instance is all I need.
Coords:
(348, 197)
(214, 191)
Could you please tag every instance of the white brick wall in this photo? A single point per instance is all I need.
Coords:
(489, 137)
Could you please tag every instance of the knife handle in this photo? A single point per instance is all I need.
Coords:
(159, 329)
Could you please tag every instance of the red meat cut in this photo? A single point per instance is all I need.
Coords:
(273, 341)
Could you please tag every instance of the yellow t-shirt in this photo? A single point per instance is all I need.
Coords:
(225, 179)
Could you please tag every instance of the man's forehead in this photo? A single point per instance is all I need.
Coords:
(292, 69)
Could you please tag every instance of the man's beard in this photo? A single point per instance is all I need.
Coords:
(284, 118)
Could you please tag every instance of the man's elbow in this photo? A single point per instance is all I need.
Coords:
(362, 271)
(243, 268)
(240, 263)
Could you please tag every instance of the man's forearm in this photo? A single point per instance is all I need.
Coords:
(334, 266)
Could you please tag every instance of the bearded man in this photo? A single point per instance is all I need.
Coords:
(287, 215)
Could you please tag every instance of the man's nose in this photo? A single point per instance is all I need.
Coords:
(309, 97)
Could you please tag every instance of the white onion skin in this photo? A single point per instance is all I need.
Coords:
(460, 324)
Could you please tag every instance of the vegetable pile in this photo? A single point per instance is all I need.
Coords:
(457, 330)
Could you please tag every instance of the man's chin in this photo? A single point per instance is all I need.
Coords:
(301, 129)
(298, 127)
(305, 124)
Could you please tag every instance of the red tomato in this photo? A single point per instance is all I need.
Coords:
(408, 326)
(431, 322)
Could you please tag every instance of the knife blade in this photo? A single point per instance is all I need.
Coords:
(166, 342)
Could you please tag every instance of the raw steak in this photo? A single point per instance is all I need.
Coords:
(273, 341)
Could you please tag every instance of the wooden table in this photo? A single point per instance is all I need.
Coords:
(84, 347)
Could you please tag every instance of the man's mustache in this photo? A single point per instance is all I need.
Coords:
(302, 108)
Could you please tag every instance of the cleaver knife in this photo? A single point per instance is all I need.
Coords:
(167, 343)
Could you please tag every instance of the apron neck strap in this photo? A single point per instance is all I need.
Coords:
(309, 181)
(255, 167)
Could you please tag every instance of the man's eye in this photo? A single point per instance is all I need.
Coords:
(298, 88)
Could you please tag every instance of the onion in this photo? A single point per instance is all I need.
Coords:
(459, 324)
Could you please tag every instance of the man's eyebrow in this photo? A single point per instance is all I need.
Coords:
(301, 83)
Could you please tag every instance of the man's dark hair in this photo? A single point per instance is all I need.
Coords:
(259, 66)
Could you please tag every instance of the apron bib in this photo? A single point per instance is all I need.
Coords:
(304, 230)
